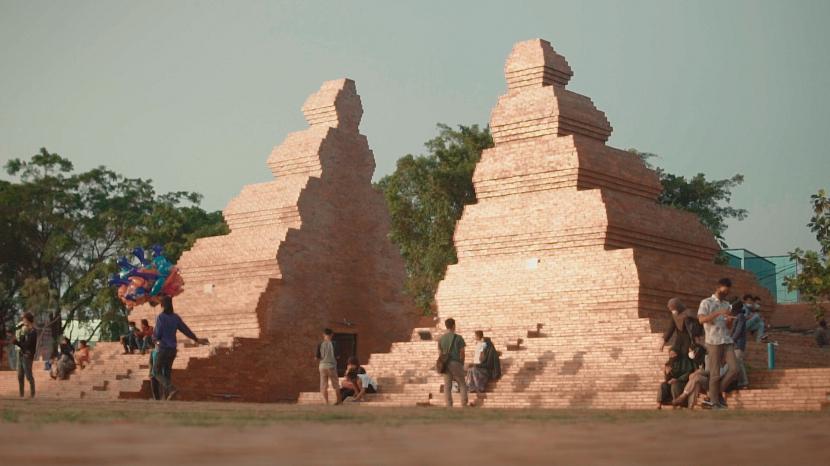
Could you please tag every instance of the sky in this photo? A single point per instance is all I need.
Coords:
(194, 95)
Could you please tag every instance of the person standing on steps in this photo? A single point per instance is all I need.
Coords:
(167, 324)
(715, 313)
(26, 341)
(328, 367)
(453, 345)
(738, 334)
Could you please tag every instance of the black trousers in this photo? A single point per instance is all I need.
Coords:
(163, 370)
(25, 363)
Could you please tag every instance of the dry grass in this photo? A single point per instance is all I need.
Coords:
(39, 412)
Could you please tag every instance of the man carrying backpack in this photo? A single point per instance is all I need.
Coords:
(451, 350)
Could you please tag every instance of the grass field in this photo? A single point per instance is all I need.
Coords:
(139, 432)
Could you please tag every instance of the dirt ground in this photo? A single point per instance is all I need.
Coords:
(176, 433)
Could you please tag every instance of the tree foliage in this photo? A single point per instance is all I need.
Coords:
(813, 278)
(708, 199)
(426, 195)
(60, 231)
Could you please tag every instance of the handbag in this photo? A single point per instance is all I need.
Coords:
(444, 358)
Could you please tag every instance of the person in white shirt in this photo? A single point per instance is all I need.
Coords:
(715, 313)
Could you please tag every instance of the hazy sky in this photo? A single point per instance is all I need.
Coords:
(195, 94)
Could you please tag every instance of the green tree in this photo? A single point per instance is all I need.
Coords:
(813, 278)
(426, 195)
(708, 199)
(65, 229)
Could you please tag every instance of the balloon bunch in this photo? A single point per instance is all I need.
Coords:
(148, 282)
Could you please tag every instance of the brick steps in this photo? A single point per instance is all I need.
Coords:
(527, 382)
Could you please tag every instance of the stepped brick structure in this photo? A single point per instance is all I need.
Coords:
(306, 251)
(566, 261)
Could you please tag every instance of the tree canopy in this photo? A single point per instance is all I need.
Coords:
(426, 195)
(60, 231)
(813, 278)
(708, 199)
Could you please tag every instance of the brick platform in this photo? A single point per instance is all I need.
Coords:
(566, 261)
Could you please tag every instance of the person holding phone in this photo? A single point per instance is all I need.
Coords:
(715, 313)
(26, 341)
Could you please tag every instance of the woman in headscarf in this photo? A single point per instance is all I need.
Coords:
(684, 328)
(486, 367)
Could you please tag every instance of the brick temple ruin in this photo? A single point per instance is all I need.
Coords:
(566, 261)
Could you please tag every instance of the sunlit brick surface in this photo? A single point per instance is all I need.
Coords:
(567, 261)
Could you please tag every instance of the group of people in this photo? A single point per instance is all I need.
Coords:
(161, 338)
(140, 339)
(473, 377)
(65, 358)
(709, 347)
(356, 382)
(467, 378)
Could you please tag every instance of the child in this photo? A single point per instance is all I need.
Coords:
(82, 355)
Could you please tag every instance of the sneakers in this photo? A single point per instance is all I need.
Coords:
(706, 404)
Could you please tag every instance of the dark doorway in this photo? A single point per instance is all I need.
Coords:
(345, 346)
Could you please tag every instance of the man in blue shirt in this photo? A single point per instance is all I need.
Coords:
(167, 324)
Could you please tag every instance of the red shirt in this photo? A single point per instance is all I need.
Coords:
(146, 331)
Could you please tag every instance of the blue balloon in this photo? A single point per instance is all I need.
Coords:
(116, 280)
(139, 254)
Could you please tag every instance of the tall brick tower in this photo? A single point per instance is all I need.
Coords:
(567, 234)
(306, 251)
(566, 260)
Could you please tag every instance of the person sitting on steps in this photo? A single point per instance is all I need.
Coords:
(130, 339)
(677, 371)
(486, 367)
(145, 337)
(65, 363)
(82, 354)
(352, 388)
